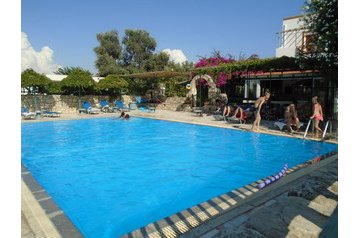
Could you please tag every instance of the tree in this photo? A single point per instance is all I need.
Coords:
(156, 62)
(78, 81)
(139, 47)
(253, 57)
(55, 87)
(68, 70)
(112, 85)
(139, 86)
(34, 82)
(321, 19)
(109, 53)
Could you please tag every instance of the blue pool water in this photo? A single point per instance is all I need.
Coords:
(112, 176)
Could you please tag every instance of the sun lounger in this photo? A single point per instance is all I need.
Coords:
(133, 106)
(25, 114)
(89, 109)
(281, 124)
(105, 106)
(139, 99)
(48, 113)
(147, 109)
(219, 117)
(138, 104)
(120, 106)
(235, 120)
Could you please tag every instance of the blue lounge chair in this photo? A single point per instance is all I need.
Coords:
(89, 109)
(120, 106)
(147, 109)
(133, 105)
(25, 114)
(48, 113)
(139, 101)
(105, 106)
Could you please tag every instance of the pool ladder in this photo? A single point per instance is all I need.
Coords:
(324, 132)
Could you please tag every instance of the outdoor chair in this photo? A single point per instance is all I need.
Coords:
(138, 104)
(245, 115)
(147, 109)
(48, 113)
(89, 109)
(25, 114)
(105, 106)
(120, 106)
(219, 117)
(281, 124)
(140, 100)
(133, 106)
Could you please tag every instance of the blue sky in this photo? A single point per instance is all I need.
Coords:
(197, 27)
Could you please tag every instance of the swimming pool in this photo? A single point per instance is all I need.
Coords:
(112, 176)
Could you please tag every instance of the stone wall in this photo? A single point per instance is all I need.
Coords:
(174, 104)
(61, 103)
(70, 103)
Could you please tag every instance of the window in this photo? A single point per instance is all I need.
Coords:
(307, 42)
(252, 84)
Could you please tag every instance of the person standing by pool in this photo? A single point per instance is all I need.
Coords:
(257, 110)
(317, 115)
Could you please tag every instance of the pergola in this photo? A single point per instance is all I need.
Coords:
(156, 74)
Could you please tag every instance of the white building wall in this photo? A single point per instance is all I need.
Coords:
(290, 37)
(57, 77)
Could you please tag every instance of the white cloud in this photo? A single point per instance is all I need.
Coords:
(176, 55)
(41, 61)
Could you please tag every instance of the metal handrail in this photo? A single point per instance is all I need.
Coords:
(325, 130)
(308, 126)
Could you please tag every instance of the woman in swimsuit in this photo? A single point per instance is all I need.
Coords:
(317, 115)
(291, 117)
(258, 104)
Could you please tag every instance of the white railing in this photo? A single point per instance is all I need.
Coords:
(291, 38)
(324, 131)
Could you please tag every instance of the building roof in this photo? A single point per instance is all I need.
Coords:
(59, 77)
(293, 17)
(157, 74)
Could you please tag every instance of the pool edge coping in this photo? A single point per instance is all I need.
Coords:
(235, 127)
(43, 214)
(188, 220)
(232, 127)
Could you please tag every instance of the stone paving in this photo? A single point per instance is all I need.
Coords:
(26, 231)
(301, 211)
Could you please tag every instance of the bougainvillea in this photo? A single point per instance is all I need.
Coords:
(203, 82)
(205, 62)
(221, 79)
(214, 61)
(222, 69)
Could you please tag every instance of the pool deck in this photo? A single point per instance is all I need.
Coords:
(299, 205)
